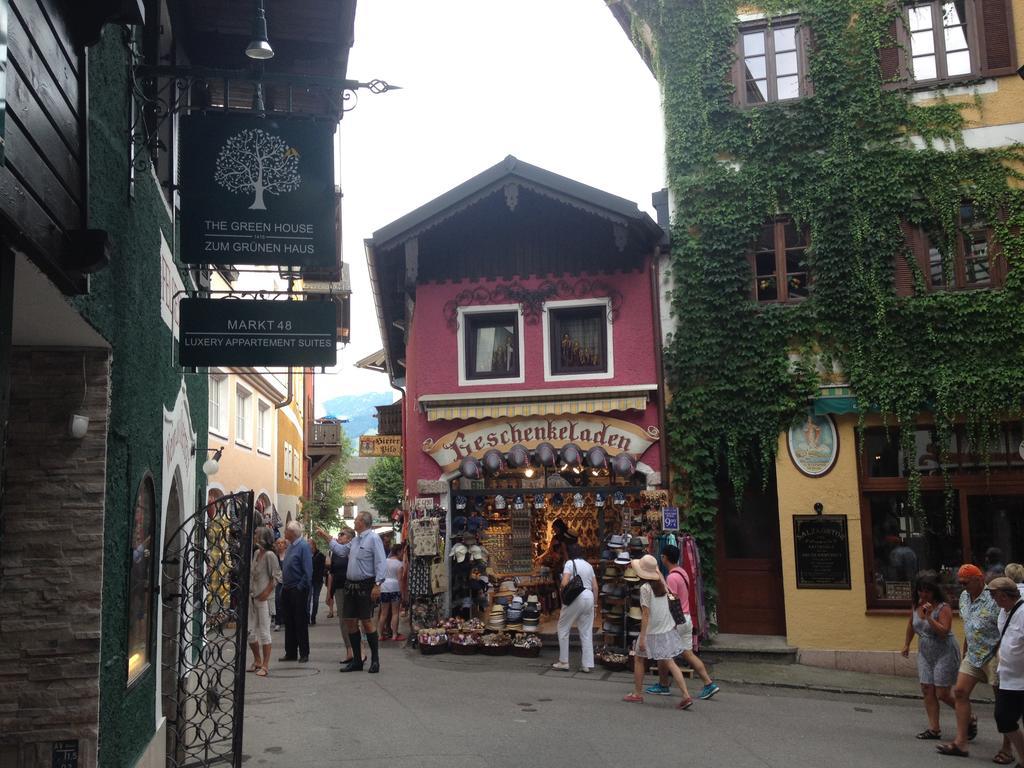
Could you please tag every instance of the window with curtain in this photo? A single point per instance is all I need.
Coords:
(492, 345)
(579, 339)
(243, 423)
(218, 404)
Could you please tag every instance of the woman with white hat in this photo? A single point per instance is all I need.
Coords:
(658, 638)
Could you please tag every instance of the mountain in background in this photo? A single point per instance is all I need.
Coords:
(360, 410)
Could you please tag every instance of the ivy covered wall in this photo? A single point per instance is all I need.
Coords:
(843, 163)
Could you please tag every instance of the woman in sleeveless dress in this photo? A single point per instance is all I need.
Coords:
(938, 656)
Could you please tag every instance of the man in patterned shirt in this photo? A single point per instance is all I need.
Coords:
(979, 613)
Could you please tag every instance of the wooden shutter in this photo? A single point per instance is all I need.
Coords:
(903, 275)
(889, 54)
(995, 33)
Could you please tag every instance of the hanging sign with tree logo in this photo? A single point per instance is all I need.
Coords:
(257, 191)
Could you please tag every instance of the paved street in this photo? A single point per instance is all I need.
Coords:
(451, 711)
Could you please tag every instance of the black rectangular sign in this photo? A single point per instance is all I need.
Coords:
(257, 191)
(65, 754)
(242, 332)
(822, 546)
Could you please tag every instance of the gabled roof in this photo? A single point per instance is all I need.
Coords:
(512, 169)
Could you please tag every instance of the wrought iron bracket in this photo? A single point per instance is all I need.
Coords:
(165, 90)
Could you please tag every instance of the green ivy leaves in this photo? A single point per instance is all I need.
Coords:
(842, 162)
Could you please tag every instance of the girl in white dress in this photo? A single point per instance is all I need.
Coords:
(658, 638)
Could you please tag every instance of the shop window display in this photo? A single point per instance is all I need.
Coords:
(972, 494)
(579, 342)
(905, 544)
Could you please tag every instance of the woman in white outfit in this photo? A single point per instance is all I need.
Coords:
(580, 613)
(264, 576)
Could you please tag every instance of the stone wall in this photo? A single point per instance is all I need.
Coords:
(51, 556)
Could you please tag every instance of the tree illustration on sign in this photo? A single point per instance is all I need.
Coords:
(258, 163)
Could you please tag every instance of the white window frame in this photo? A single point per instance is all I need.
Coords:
(264, 429)
(296, 466)
(219, 383)
(243, 419)
(461, 334)
(571, 304)
(288, 461)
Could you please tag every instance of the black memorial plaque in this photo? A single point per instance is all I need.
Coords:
(822, 546)
(243, 332)
(257, 191)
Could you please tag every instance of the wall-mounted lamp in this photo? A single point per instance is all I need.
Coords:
(212, 465)
(78, 425)
(259, 47)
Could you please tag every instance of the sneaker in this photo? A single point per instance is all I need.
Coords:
(708, 691)
(562, 666)
(658, 690)
(586, 670)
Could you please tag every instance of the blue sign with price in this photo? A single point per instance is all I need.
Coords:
(670, 518)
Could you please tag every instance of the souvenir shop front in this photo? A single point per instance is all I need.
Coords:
(493, 538)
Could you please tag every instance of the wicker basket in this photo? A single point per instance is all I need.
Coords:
(432, 650)
(495, 650)
(526, 653)
(462, 650)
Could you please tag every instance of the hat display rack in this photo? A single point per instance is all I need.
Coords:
(620, 591)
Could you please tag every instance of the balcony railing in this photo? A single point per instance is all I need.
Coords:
(323, 437)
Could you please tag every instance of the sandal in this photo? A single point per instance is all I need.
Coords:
(254, 668)
(261, 672)
(1002, 758)
(951, 749)
(632, 698)
(928, 734)
(972, 728)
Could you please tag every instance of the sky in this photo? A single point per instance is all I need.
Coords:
(554, 82)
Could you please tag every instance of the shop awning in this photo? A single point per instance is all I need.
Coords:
(835, 400)
(493, 410)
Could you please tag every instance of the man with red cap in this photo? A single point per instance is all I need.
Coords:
(979, 613)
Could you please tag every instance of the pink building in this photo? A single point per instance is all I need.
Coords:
(520, 316)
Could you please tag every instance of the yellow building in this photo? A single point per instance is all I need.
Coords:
(291, 467)
(823, 551)
(244, 424)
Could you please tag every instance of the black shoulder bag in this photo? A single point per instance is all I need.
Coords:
(574, 588)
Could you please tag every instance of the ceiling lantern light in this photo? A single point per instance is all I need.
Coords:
(259, 47)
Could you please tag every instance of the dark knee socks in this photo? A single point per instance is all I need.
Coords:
(371, 640)
(357, 651)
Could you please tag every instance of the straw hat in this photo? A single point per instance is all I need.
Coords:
(635, 613)
(647, 568)
(630, 574)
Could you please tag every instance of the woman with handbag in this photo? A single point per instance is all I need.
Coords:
(658, 638)
(578, 587)
(678, 583)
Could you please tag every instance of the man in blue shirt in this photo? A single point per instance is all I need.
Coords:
(296, 580)
(365, 574)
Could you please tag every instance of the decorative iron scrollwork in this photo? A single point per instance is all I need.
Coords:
(532, 300)
(207, 561)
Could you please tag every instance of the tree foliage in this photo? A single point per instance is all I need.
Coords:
(842, 162)
(323, 509)
(385, 487)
